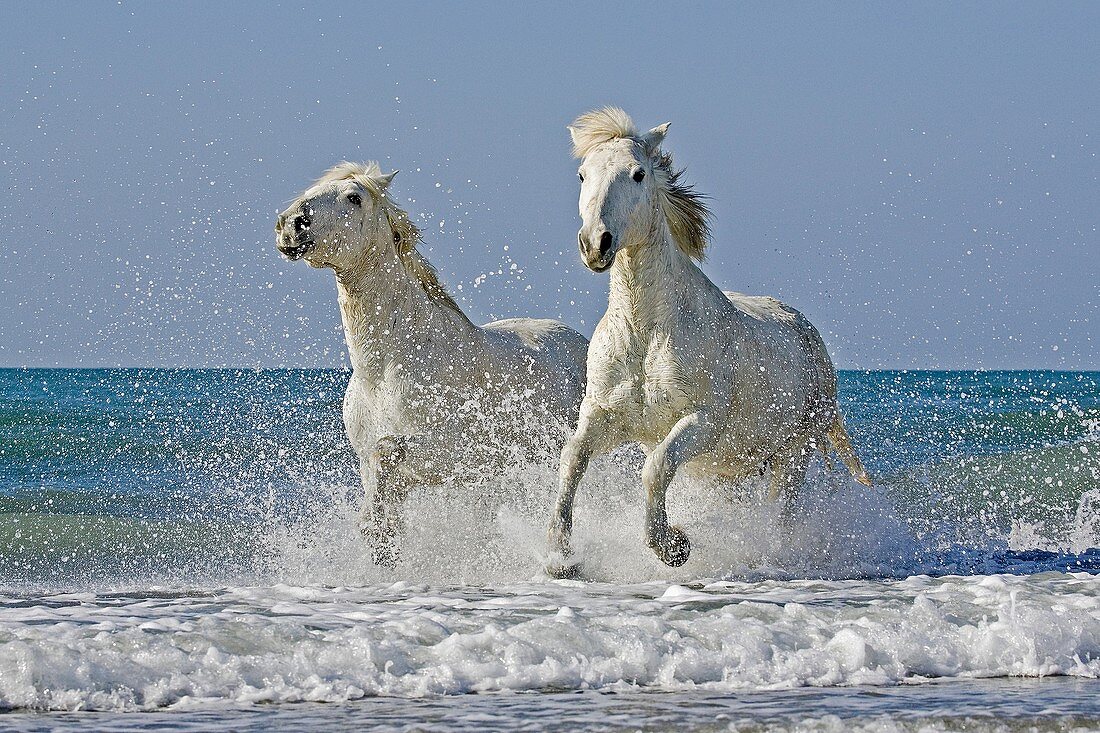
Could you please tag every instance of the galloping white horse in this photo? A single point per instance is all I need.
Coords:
(431, 396)
(718, 383)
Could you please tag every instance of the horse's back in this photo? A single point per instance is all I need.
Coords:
(790, 325)
(556, 350)
(764, 308)
(545, 335)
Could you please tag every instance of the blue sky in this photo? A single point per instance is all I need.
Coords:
(921, 180)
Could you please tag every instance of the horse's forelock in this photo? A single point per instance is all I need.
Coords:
(600, 126)
(368, 175)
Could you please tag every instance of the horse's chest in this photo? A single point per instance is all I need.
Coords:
(651, 389)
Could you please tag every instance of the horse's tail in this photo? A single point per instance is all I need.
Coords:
(842, 444)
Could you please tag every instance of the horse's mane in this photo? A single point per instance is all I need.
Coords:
(684, 208)
(370, 177)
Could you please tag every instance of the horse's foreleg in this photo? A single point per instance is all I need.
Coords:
(397, 464)
(381, 522)
(692, 436)
(575, 456)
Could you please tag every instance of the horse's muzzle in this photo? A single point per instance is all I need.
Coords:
(597, 260)
(601, 266)
(293, 248)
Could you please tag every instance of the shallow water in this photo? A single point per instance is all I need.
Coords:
(1052, 704)
(183, 543)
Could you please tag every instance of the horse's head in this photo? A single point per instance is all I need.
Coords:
(342, 218)
(618, 188)
(627, 184)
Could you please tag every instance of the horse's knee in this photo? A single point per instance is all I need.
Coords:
(574, 451)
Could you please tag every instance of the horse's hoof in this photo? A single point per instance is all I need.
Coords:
(562, 564)
(675, 549)
(564, 570)
(384, 556)
(383, 550)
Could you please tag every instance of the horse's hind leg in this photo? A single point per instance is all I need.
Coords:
(788, 473)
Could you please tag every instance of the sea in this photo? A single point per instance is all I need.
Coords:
(179, 551)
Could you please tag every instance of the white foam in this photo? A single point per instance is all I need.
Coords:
(497, 533)
(283, 643)
(468, 609)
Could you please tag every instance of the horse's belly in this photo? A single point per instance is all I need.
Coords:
(745, 448)
(723, 464)
(739, 455)
(742, 449)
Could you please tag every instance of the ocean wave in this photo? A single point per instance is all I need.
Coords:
(179, 649)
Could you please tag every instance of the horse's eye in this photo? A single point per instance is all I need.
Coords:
(580, 176)
(355, 199)
(638, 175)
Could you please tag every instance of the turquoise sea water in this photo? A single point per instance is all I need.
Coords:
(183, 542)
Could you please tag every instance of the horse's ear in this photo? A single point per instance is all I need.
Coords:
(653, 139)
(572, 133)
(385, 178)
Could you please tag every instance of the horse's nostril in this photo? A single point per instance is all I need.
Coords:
(301, 223)
(605, 243)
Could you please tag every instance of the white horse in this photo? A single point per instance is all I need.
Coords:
(719, 383)
(432, 397)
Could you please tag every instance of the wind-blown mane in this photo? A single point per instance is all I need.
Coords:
(683, 207)
(598, 127)
(370, 177)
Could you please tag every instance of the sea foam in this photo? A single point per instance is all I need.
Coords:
(149, 650)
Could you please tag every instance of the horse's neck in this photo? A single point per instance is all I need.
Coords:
(654, 285)
(388, 316)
